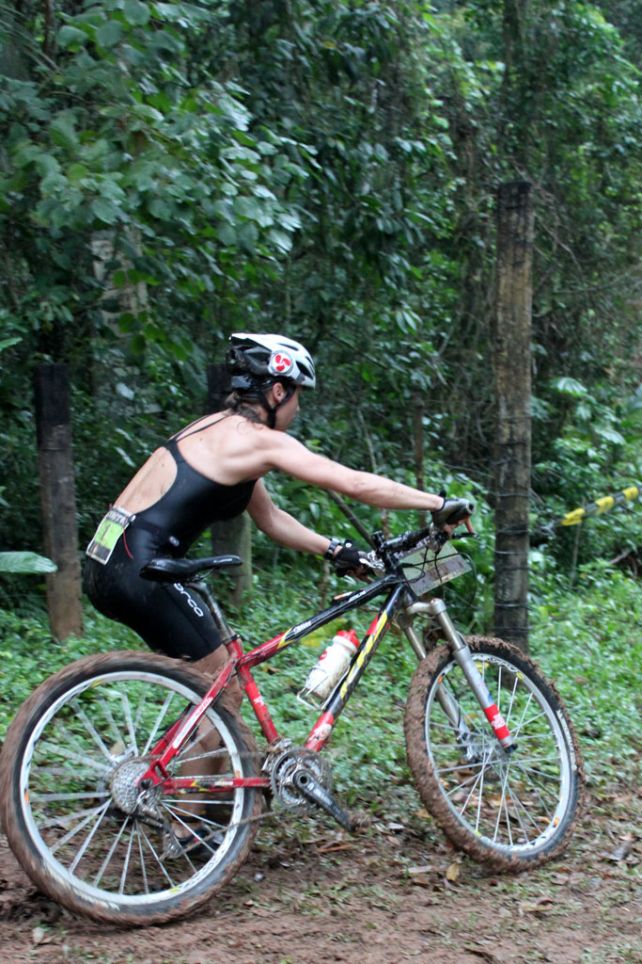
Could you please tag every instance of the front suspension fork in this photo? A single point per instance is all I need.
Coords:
(436, 609)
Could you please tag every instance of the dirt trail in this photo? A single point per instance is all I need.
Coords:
(394, 893)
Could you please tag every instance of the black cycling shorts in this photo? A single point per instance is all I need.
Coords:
(170, 618)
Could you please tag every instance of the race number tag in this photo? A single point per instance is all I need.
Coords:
(107, 535)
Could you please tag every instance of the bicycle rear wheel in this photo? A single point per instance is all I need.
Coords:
(510, 810)
(72, 810)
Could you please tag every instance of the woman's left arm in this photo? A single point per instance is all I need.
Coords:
(281, 526)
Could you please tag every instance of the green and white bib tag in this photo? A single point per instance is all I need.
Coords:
(107, 534)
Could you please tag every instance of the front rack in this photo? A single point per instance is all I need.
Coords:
(426, 568)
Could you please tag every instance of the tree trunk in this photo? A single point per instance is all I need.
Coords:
(235, 535)
(58, 498)
(512, 355)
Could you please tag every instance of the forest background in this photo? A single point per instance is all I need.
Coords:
(173, 172)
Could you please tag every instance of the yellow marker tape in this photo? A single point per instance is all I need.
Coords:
(605, 504)
(574, 518)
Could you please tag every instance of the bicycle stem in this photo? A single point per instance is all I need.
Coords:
(437, 610)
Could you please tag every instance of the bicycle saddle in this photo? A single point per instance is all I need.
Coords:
(179, 570)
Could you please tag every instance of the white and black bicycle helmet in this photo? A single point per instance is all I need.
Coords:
(271, 357)
(256, 362)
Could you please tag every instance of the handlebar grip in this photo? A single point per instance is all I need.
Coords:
(453, 511)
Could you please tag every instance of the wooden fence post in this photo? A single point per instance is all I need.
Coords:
(58, 498)
(512, 359)
(235, 535)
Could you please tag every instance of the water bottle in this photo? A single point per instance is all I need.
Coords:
(331, 665)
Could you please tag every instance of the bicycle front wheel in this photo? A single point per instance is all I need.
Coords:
(75, 816)
(512, 810)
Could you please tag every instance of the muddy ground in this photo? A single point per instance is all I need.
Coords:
(395, 892)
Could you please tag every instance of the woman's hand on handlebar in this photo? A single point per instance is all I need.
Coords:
(453, 513)
(348, 560)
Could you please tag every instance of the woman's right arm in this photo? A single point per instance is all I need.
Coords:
(288, 455)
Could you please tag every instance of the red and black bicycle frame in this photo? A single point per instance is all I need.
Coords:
(243, 663)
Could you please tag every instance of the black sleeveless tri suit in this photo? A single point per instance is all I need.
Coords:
(169, 617)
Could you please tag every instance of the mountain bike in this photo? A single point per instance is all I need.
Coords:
(102, 809)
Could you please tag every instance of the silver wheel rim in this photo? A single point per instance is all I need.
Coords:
(511, 803)
(105, 856)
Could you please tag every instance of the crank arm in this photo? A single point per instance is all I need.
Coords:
(312, 790)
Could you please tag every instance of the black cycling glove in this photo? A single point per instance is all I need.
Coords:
(349, 559)
(452, 512)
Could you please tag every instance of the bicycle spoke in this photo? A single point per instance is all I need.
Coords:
(81, 758)
(96, 737)
(509, 712)
(126, 861)
(472, 790)
(143, 866)
(480, 797)
(463, 784)
(518, 765)
(59, 821)
(190, 813)
(158, 860)
(208, 755)
(197, 839)
(161, 716)
(518, 803)
(461, 766)
(88, 840)
(117, 735)
(111, 851)
(57, 797)
(499, 809)
(129, 720)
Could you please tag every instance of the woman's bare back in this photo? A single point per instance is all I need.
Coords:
(223, 447)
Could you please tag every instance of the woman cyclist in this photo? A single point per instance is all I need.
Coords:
(213, 470)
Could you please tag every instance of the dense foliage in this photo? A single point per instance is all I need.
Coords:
(171, 172)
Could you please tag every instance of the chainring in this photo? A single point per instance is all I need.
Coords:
(281, 778)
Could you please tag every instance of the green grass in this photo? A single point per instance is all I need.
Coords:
(587, 639)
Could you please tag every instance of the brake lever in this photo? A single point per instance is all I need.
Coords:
(374, 562)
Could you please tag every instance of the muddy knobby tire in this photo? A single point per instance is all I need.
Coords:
(510, 812)
(48, 760)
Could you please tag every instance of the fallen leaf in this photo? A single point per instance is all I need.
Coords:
(423, 869)
(540, 906)
(452, 873)
(331, 848)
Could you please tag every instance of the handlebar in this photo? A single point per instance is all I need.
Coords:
(434, 536)
(407, 540)
(385, 549)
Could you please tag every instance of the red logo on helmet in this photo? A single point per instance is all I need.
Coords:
(281, 364)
